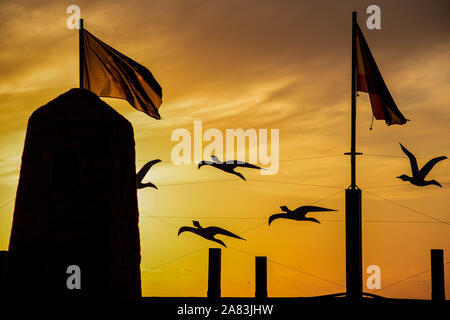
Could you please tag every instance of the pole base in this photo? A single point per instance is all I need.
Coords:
(353, 244)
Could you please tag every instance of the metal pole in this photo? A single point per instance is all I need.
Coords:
(353, 99)
(81, 53)
(353, 244)
(353, 236)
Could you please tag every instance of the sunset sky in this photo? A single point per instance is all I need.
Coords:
(265, 65)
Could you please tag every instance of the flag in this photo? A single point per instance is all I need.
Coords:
(369, 80)
(109, 73)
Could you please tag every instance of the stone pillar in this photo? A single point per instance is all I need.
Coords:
(76, 203)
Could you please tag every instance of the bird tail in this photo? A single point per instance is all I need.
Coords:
(219, 242)
(240, 175)
(314, 220)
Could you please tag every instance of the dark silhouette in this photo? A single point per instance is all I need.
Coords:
(209, 232)
(76, 204)
(260, 277)
(228, 167)
(298, 214)
(418, 176)
(143, 172)
(437, 275)
(214, 273)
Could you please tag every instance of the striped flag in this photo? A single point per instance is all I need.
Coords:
(369, 80)
(109, 73)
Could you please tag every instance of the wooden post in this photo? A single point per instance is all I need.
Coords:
(81, 53)
(437, 275)
(261, 277)
(214, 273)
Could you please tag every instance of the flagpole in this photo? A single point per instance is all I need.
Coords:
(81, 52)
(353, 237)
(353, 102)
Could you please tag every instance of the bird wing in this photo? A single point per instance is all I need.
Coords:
(429, 165)
(202, 163)
(141, 173)
(183, 229)
(190, 229)
(305, 209)
(145, 185)
(247, 165)
(275, 216)
(412, 160)
(217, 230)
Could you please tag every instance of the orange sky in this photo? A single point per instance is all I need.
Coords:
(256, 64)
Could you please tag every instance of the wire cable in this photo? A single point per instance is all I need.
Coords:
(292, 268)
(406, 279)
(178, 258)
(408, 208)
(6, 203)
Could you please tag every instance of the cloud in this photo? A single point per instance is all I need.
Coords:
(238, 64)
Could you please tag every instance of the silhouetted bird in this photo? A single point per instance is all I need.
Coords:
(143, 172)
(209, 232)
(228, 167)
(298, 214)
(418, 176)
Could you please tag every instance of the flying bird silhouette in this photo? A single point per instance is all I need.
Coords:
(209, 232)
(143, 172)
(418, 176)
(228, 167)
(298, 214)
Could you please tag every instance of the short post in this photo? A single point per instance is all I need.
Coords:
(3, 260)
(437, 275)
(260, 277)
(214, 273)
